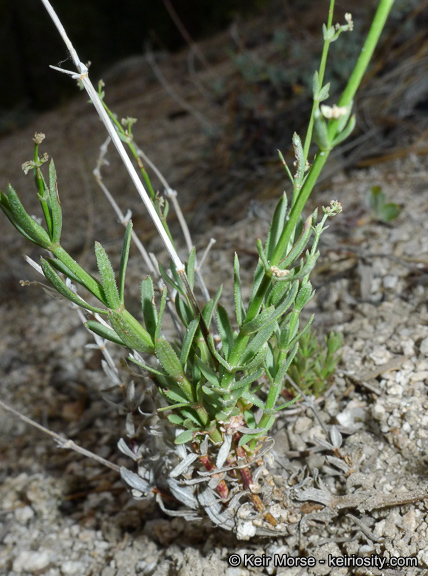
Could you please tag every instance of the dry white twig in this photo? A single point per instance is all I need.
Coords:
(82, 75)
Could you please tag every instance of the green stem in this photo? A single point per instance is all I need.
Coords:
(363, 61)
(307, 188)
(321, 73)
(366, 52)
(345, 100)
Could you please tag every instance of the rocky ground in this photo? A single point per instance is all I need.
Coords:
(63, 514)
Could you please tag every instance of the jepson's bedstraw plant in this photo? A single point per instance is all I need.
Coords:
(217, 389)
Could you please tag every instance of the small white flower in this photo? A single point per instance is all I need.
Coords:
(279, 273)
(348, 18)
(333, 111)
(334, 208)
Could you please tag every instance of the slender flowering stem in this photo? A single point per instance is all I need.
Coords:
(84, 78)
(321, 73)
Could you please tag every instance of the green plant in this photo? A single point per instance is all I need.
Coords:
(315, 362)
(380, 209)
(210, 378)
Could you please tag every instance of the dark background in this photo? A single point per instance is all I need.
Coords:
(103, 31)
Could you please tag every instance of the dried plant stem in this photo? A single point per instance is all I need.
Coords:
(172, 196)
(170, 90)
(222, 487)
(192, 44)
(247, 481)
(82, 75)
(63, 442)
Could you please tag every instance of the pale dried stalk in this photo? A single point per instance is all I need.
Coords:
(82, 75)
(63, 442)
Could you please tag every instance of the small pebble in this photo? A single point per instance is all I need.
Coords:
(29, 561)
(71, 567)
(24, 514)
(423, 348)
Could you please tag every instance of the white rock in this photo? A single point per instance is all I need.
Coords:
(423, 557)
(24, 514)
(70, 567)
(245, 530)
(419, 376)
(380, 355)
(30, 561)
(424, 347)
(395, 390)
(302, 424)
(378, 410)
(408, 347)
(390, 281)
(237, 571)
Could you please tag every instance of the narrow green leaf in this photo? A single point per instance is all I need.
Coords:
(5, 206)
(131, 332)
(299, 246)
(185, 436)
(258, 277)
(161, 313)
(262, 255)
(315, 85)
(147, 367)
(302, 332)
(184, 312)
(174, 407)
(239, 307)
(207, 312)
(169, 361)
(37, 234)
(247, 380)
(60, 286)
(188, 341)
(253, 399)
(177, 278)
(175, 419)
(225, 329)
(300, 158)
(256, 343)
(169, 280)
(263, 319)
(255, 361)
(148, 306)
(124, 260)
(324, 93)
(305, 294)
(208, 372)
(107, 277)
(282, 371)
(277, 293)
(222, 361)
(345, 133)
(277, 226)
(287, 169)
(343, 120)
(54, 204)
(61, 267)
(191, 417)
(321, 132)
(286, 405)
(104, 332)
(80, 275)
(190, 268)
(176, 394)
(247, 438)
